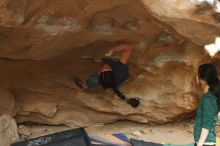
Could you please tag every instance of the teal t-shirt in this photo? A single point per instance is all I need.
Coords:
(206, 117)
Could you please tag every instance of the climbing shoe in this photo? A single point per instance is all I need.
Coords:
(134, 102)
(78, 82)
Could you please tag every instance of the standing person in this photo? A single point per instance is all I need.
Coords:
(112, 73)
(206, 114)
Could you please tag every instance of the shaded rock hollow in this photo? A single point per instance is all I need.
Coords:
(44, 44)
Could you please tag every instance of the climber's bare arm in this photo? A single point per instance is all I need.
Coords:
(126, 52)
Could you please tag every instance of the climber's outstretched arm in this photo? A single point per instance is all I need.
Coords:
(126, 52)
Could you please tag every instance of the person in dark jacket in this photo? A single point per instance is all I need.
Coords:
(206, 113)
(113, 73)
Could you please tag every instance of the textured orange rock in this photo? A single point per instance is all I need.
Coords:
(199, 23)
(44, 91)
(45, 29)
(44, 44)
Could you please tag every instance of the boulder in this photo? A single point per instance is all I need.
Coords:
(44, 44)
(8, 130)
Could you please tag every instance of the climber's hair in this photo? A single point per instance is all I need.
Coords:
(107, 80)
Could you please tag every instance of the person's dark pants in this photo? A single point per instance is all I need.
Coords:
(204, 145)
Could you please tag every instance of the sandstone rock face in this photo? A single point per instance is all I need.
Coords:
(8, 130)
(7, 102)
(198, 22)
(44, 44)
(45, 29)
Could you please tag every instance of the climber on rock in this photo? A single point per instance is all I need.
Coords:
(112, 73)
